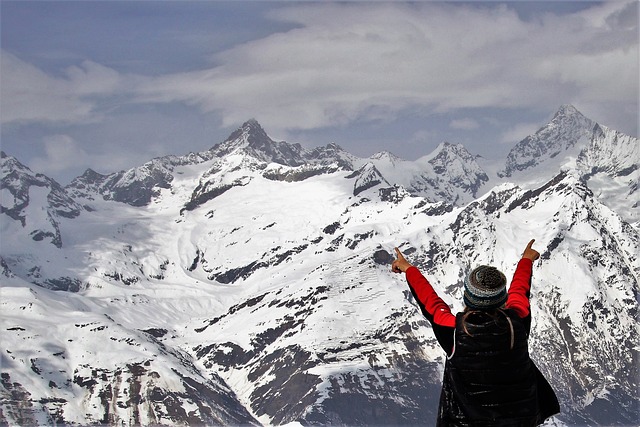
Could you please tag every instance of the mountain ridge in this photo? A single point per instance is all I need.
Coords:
(566, 137)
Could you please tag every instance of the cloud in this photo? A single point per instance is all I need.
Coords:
(28, 94)
(61, 152)
(464, 124)
(372, 61)
(342, 63)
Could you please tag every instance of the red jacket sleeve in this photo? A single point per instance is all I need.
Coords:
(439, 311)
(518, 299)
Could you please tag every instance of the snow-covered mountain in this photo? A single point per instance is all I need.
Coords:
(562, 137)
(250, 283)
(32, 204)
(450, 174)
(606, 158)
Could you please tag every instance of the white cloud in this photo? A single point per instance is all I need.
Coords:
(28, 94)
(359, 61)
(354, 61)
(61, 152)
(90, 78)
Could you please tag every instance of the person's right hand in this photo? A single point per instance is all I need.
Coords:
(400, 265)
(531, 253)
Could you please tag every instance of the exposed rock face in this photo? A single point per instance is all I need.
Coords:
(367, 177)
(35, 201)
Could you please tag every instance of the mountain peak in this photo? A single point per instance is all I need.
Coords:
(250, 133)
(50, 200)
(459, 165)
(385, 155)
(446, 151)
(567, 110)
(568, 116)
(252, 140)
(92, 176)
(568, 129)
(252, 127)
(10, 164)
(447, 146)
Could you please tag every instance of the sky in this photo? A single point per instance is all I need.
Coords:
(109, 85)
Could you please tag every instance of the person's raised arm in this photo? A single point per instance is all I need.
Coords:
(433, 307)
(520, 288)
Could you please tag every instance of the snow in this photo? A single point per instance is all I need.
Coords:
(616, 194)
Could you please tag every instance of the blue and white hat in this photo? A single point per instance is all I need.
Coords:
(485, 288)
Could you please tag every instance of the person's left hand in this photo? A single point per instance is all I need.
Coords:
(400, 265)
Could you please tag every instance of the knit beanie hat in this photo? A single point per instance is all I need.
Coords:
(485, 288)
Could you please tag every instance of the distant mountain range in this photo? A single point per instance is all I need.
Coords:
(249, 283)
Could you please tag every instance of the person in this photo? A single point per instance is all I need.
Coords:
(489, 378)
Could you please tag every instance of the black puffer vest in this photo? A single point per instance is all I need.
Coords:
(489, 379)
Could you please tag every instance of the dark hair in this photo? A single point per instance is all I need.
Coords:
(493, 314)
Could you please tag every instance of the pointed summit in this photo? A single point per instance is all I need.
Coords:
(34, 200)
(454, 165)
(252, 133)
(87, 185)
(569, 117)
(252, 140)
(386, 156)
(567, 129)
(368, 176)
(566, 110)
(446, 154)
